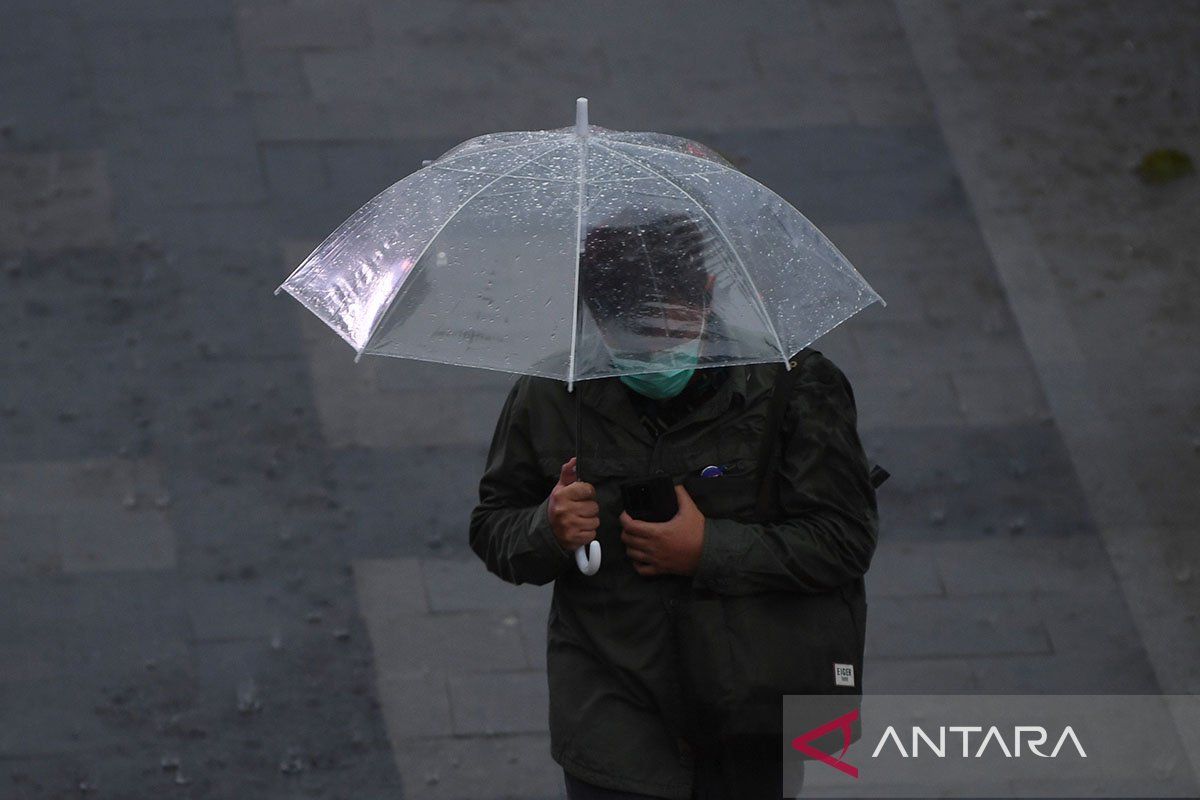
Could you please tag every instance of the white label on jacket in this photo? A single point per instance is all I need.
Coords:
(843, 674)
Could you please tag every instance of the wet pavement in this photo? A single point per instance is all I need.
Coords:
(235, 564)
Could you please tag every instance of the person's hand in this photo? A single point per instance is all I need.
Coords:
(673, 546)
(573, 510)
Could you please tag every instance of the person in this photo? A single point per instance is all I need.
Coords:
(616, 707)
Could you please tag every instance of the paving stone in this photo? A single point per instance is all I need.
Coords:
(45, 74)
(112, 521)
(142, 11)
(535, 628)
(965, 483)
(92, 628)
(981, 404)
(294, 172)
(884, 89)
(416, 705)
(850, 174)
(360, 170)
(917, 676)
(354, 412)
(187, 230)
(301, 24)
(463, 642)
(331, 73)
(923, 395)
(183, 135)
(30, 544)
(288, 119)
(211, 181)
(55, 716)
(1087, 622)
(905, 569)
(499, 702)
(1076, 566)
(1098, 672)
(233, 610)
(54, 201)
(478, 767)
(390, 586)
(278, 73)
(141, 67)
(468, 586)
(956, 627)
(429, 518)
(227, 668)
(626, 65)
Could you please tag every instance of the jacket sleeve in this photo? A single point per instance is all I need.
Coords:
(828, 528)
(510, 527)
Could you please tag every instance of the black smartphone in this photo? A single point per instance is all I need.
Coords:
(651, 498)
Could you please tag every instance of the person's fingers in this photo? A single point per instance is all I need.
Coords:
(566, 475)
(637, 526)
(683, 498)
(587, 508)
(579, 490)
(638, 555)
(645, 569)
(580, 538)
(584, 523)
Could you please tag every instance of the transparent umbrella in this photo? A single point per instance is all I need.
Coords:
(577, 253)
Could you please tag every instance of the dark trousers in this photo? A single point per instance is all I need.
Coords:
(739, 771)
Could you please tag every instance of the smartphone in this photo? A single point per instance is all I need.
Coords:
(651, 498)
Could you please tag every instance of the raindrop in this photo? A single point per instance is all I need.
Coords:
(248, 701)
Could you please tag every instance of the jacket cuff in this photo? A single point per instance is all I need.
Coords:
(725, 543)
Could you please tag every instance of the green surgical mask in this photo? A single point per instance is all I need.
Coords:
(661, 385)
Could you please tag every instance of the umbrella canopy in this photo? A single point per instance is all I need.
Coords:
(578, 253)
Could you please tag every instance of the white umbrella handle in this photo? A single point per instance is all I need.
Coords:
(588, 558)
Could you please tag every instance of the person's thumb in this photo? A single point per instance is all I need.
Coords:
(683, 498)
(566, 475)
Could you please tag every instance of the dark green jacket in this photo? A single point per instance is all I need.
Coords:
(610, 664)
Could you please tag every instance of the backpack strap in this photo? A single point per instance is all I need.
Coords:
(780, 395)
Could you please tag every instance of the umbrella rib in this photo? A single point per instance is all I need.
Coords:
(391, 297)
(497, 148)
(493, 174)
(651, 177)
(754, 295)
(583, 142)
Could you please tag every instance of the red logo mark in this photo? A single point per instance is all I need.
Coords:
(843, 722)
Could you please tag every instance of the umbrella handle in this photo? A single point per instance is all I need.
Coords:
(587, 558)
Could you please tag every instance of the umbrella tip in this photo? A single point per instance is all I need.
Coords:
(357, 357)
(278, 289)
(581, 119)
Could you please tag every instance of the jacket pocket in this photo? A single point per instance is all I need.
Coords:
(731, 496)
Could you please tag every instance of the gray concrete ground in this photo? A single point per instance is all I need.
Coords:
(234, 562)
